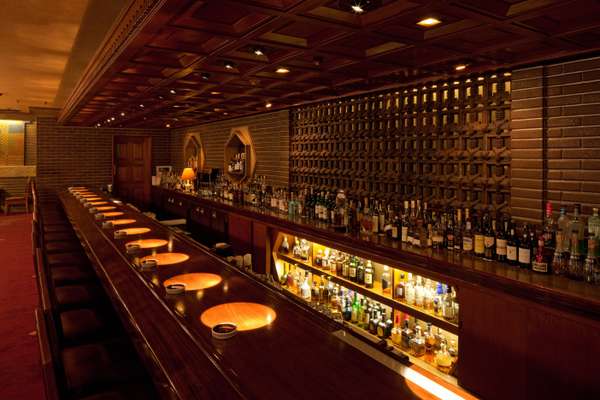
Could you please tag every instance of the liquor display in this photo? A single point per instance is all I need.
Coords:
(414, 314)
(237, 164)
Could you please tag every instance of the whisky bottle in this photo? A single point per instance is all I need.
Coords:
(386, 281)
(381, 327)
(352, 269)
(399, 289)
(389, 324)
(563, 223)
(512, 247)
(489, 238)
(478, 242)
(360, 272)
(410, 294)
(448, 305)
(594, 227)
(429, 340)
(467, 236)
(458, 239)
(549, 227)
(417, 343)
(501, 241)
(375, 217)
(382, 219)
(540, 263)
(405, 223)
(437, 232)
(285, 246)
(396, 230)
(450, 231)
(525, 249)
(577, 227)
(368, 275)
(575, 264)
(397, 331)
(406, 335)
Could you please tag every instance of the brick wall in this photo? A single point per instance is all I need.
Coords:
(69, 155)
(270, 134)
(555, 137)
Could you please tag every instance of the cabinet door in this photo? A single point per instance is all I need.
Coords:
(240, 234)
(177, 206)
(261, 248)
(492, 345)
(218, 226)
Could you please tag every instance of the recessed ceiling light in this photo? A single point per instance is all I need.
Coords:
(215, 93)
(168, 125)
(430, 21)
(112, 119)
(258, 51)
(172, 91)
(229, 64)
(205, 76)
(122, 114)
(141, 106)
(460, 67)
(357, 8)
(225, 113)
(282, 70)
(268, 105)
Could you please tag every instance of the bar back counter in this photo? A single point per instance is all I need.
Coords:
(512, 324)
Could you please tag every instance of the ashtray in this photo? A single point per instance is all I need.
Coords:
(86, 204)
(132, 248)
(99, 216)
(108, 225)
(176, 288)
(224, 330)
(93, 210)
(120, 234)
(148, 264)
(82, 200)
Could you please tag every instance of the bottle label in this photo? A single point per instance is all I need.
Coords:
(352, 272)
(395, 232)
(501, 247)
(539, 266)
(479, 244)
(467, 244)
(524, 256)
(511, 253)
(405, 233)
(488, 241)
(368, 279)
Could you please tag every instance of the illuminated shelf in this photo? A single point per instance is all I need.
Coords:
(376, 294)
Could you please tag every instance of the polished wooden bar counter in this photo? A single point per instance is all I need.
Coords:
(522, 335)
(294, 355)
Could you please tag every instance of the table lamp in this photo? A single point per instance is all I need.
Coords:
(188, 175)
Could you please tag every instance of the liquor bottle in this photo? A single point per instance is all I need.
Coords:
(417, 343)
(428, 221)
(458, 237)
(405, 223)
(512, 247)
(489, 238)
(577, 227)
(375, 217)
(563, 226)
(382, 218)
(355, 309)
(374, 322)
(386, 281)
(437, 232)
(450, 231)
(399, 289)
(367, 219)
(429, 339)
(382, 327)
(419, 292)
(549, 227)
(412, 224)
(594, 227)
(590, 267)
(448, 305)
(575, 263)
(540, 263)
(368, 275)
(525, 249)
(397, 331)
(501, 241)
(285, 246)
(467, 235)
(406, 335)
(478, 242)
(305, 291)
(389, 324)
(409, 291)
(360, 272)
(443, 359)
(352, 269)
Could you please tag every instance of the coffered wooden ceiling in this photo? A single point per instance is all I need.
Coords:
(165, 61)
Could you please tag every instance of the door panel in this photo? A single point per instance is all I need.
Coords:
(132, 166)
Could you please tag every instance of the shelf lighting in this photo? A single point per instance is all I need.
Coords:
(429, 22)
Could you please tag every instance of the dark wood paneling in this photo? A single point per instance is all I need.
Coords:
(261, 259)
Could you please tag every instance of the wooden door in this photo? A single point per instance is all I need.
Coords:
(132, 165)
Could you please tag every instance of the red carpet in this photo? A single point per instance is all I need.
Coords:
(20, 373)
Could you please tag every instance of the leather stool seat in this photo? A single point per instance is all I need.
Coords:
(72, 296)
(67, 246)
(81, 326)
(61, 259)
(91, 368)
(66, 227)
(135, 391)
(66, 275)
(59, 236)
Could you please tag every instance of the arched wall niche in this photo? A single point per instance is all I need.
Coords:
(240, 140)
(193, 152)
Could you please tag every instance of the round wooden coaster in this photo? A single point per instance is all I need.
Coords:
(116, 222)
(168, 258)
(148, 243)
(134, 231)
(112, 214)
(105, 208)
(246, 316)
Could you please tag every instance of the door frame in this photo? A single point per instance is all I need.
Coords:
(148, 163)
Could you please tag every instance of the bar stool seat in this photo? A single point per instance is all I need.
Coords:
(91, 368)
(67, 246)
(81, 326)
(62, 276)
(60, 259)
(59, 236)
(72, 296)
(134, 391)
(52, 228)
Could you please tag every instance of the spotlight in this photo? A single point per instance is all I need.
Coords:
(122, 114)
(205, 76)
(258, 51)
(229, 64)
(167, 125)
(460, 67)
(172, 91)
(428, 22)
(141, 106)
(282, 70)
(360, 6)
(268, 105)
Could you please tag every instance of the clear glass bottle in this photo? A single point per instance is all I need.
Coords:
(285, 246)
(576, 227)
(368, 275)
(406, 335)
(410, 291)
(417, 343)
(590, 266)
(549, 227)
(443, 359)
(563, 223)
(386, 281)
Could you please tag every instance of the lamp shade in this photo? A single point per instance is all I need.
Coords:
(188, 174)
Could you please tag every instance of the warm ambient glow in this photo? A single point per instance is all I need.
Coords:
(246, 316)
(429, 22)
(188, 174)
(460, 67)
(268, 105)
(282, 70)
(194, 281)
